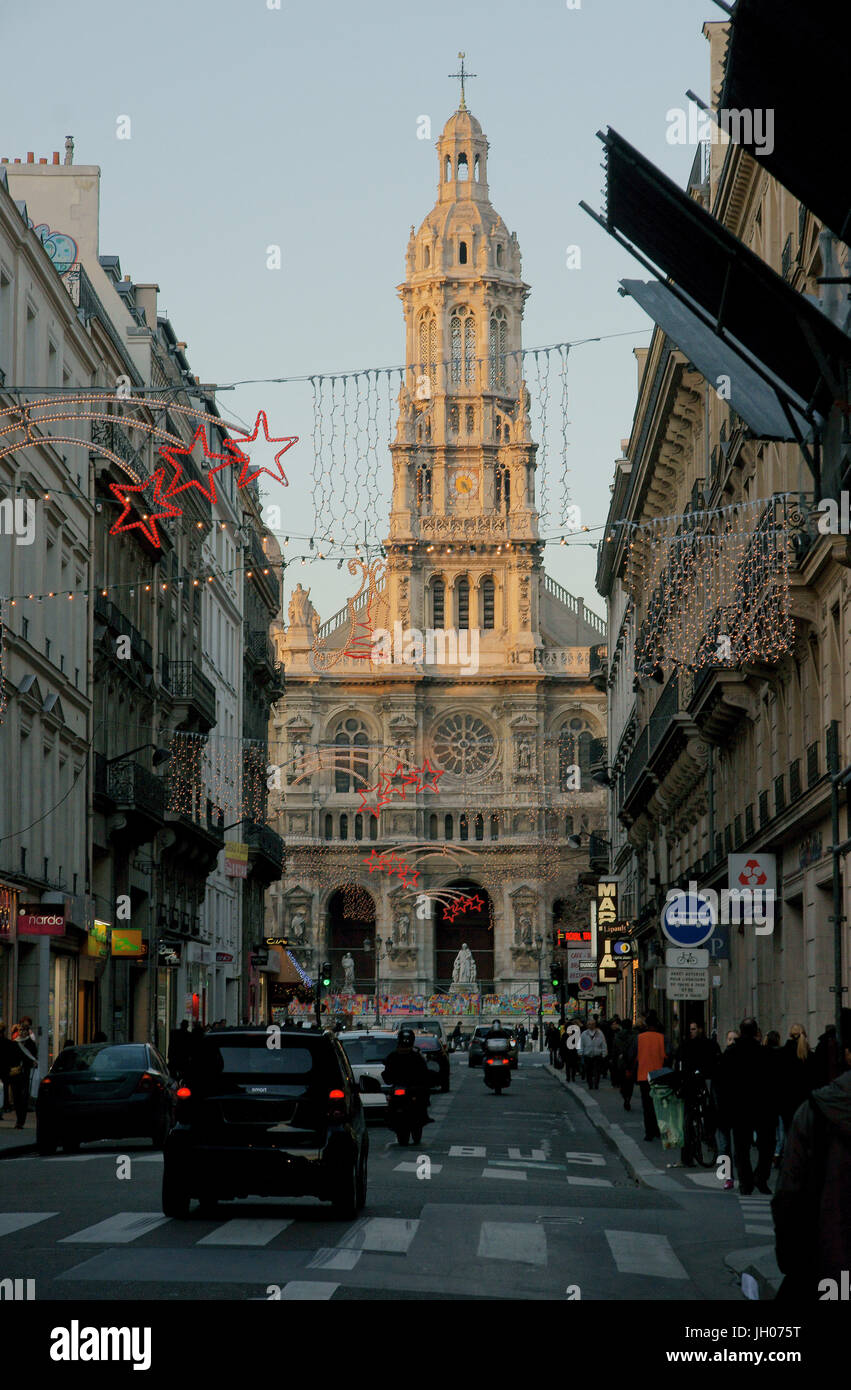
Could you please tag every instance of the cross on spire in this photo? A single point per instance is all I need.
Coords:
(463, 76)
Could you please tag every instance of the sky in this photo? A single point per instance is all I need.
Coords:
(253, 126)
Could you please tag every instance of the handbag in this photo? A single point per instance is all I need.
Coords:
(35, 1078)
(15, 1071)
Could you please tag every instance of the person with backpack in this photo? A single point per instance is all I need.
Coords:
(812, 1203)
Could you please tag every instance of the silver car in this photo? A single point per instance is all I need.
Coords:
(367, 1052)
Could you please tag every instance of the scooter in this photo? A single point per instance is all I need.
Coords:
(496, 1065)
(405, 1116)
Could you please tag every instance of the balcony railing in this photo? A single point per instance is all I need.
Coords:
(121, 624)
(663, 712)
(187, 682)
(636, 762)
(131, 785)
(264, 840)
(110, 435)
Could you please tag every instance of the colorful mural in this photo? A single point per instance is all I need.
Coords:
(61, 248)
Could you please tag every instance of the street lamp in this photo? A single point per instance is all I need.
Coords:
(539, 942)
(367, 946)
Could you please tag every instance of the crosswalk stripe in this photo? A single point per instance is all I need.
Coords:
(589, 1182)
(759, 1230)
(334, 1259)
(251, 1231)
(389, 1234)
(120, 1229)
(11, 1221)
(507, 1174)
(522, 1242)
(414, 1167)
(304, 1290)
(74, 1158)
(639, 1252)
(535, 1156)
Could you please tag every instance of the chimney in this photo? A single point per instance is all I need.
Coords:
(30, 157)
(69, 149)
(55, 156)
(146, 300)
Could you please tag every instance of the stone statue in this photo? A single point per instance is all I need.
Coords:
(526, 929)
(348, 974)
(402, 931)
(298, 925)
(301, 609)
(464, 968)
(298, 756)
(524, 755)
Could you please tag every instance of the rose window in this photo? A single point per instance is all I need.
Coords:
(464, 745)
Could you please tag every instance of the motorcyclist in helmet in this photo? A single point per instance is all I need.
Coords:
(406, 1066)
(495, 1034)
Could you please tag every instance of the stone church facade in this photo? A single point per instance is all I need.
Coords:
(485, 671)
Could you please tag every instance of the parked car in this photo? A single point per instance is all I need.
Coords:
(285, 1120)
(476, 1050)
(437, 1059)
(104, 1091)
(367, 1053)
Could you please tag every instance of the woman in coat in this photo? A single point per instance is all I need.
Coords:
(798, 1074)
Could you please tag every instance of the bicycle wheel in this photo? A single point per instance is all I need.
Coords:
(701, 1140)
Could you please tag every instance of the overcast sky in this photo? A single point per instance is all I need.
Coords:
(297, 126)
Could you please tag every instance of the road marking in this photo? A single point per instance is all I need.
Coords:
(536, 1155)
(467, 1151)
(522, 1242)
(334, 1259)
(18, 1220)
(73, 1158)
(589, 1182)
(305, 1290)
(638, 1252)
(414, 1168)
(146, 1158)
(534, 1167)
(250, 1231)
(117, 1230)
(593, 1160)
(759, 1230)
(507, 1174)
(388, 1234)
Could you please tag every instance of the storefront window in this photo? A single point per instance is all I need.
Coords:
(63, 996)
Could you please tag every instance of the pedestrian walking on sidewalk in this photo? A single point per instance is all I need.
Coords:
(624, 1060)
(651, 1052)
(8, 1058)
(828, 1056)
(812, 1204)
(775, 1052)
(724, 1136)
(553, 1043)
(799, 1074)
(593, 1050)
(20, 1072)
(752, 1104)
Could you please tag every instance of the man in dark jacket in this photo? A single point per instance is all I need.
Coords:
(696, 1058)
(178, 1050)
(812, 1204)
(8, 1059)
(408, 1067)
(751, 1103)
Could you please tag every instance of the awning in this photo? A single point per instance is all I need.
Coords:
(747, 303)
(794, 62)
(749, 395)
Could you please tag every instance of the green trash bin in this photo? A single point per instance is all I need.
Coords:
(670, 1114)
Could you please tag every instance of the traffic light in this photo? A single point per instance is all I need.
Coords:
(556, 975)
(326, 975)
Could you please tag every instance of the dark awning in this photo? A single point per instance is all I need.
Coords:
(749, 395)
(746, 301)
(794, 61)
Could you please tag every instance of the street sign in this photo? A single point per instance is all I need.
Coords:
(687, 984)
(754, 870)
(586, 983)
(688, 919)
(685, 958)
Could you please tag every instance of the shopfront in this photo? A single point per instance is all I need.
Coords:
(8, 918)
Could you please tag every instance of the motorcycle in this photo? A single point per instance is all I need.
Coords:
(496, 1064)
(405, 1115)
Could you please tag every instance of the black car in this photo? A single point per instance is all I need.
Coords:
(437, 1059)
(261, 1120)
(104, 1091)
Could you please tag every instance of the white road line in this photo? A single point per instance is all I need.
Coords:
(250, 1231)
(334, 1259)
(388, 1234)
(589, 1182)
(639, 1252)
(413, 1168)
(306, 1290)
(506, 1174)
(535, 1156)
(145, 1158)
(523, 1242)
(117, 1230)
(467, 1151)
(11, 1221)
(592, 1160)
(76, 1158)
(759, 1230)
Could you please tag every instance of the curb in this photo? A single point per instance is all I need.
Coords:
(602, 1124)
(14, 1150)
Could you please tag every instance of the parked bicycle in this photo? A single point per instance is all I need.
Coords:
(699, 1124)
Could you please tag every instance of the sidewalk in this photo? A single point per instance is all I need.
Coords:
(16, 1141)
(661, 1169)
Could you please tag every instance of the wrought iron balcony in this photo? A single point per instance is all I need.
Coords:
(131, 786)
(110, 435)
(598, 667)
(265, 850)
(120, 624)
(188, 684)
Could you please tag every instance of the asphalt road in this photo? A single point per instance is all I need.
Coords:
(514, 1196)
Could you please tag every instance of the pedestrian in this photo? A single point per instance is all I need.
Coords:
(8, 1058)
(593, 1049)
(569, 1054)
(651, 1051)
(812, 1204)
(799, 1073)
(828, 1055)
(455, 1038)
(623, 1061)
(21, 1071)
(775, 1052)
(724, 1139)
(615, 1028)
(752, 1104)
(696, 1060)
(178, 1051)
(535, 1033)
(521, 1039)
(553, 1043)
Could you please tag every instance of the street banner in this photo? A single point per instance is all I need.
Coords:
(236, 859)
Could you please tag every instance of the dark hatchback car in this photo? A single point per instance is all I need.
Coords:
(104, 1091)
(437, 1059)
(267, 1115)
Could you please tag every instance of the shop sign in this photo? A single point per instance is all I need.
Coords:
(97, 939)
(41, 919)
(607, 904)
(169, 954)
(223, 957)
(236, 859)
(127, 941)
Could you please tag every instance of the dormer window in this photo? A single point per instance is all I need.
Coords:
(462, 253)
(463, 169)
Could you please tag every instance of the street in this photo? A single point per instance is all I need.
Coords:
(526, 1199)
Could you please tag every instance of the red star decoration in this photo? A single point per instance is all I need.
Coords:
(287, 440)
(149, 524)
(409, 882)
(422, 784)
(374, 862)
(168, 451)
(364, 803)
(388, 784)
(450, 912)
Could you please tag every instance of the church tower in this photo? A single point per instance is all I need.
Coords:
(463, 526)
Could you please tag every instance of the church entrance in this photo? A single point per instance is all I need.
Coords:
(351, 921)
(471, 926)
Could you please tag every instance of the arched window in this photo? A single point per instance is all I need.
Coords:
(351, 759)
(494, 827)
(463, 169)
(480, 826)
(344, 827)
(453, 419)
(488, 603)
(498, 347)
(329, 827)
(447, 827)
(447, 170)
(499, 253)
(463, 592)
(373, 828)
(432, 827)
(462, 253)
(428, 349)
(426, 256)
(476, 164)
(358, 827)
(502, 486)
(584, 760)
(574, 750)
(423, 486)
(463, 828)
(462, 344)
(438, 603)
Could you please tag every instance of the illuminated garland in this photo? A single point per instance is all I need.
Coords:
(3, 697)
